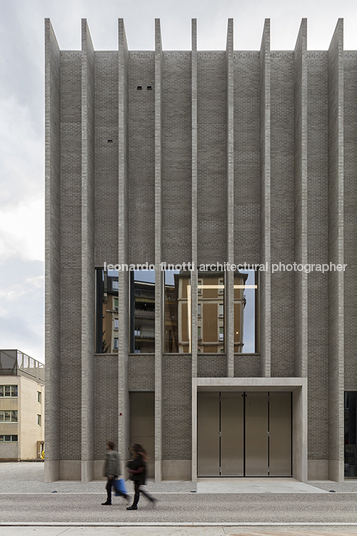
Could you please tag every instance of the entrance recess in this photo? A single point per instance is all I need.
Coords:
(244, 434)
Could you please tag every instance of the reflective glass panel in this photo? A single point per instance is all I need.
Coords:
(106, 310)
(245, 312)
(142, 311)
(350, 434)
(177, 316)
(211, 308)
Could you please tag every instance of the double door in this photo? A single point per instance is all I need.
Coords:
(244, 434)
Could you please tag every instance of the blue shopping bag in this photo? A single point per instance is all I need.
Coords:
(119, 486)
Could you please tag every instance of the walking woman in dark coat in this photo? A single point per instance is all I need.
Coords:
(112, 471)
(137, 470)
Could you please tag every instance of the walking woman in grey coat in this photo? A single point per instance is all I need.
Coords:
(112, 471)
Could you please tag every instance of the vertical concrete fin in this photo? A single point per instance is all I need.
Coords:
(52, 253)
(158, 248)
(265, 279)
(336, 253)
(194, 294)
(87, 269)
(229, 276)
(300, 156)
(123, 293)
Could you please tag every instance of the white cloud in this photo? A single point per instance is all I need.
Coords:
(22, 230)
(22, 104)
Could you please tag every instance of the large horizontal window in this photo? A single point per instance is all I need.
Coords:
(8, 438)
(177, 314)
(211, 312)
(8, 416)
(246, 317)
(142, 311)
(107, 305)
(8, 390)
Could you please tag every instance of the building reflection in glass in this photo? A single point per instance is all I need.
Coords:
(177, 314)
(211, 312)
(107, 321)
(350, 434)
(142, 311)
(245, 312)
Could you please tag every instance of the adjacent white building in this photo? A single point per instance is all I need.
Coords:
(22, 392)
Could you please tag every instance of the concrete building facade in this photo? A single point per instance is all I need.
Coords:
(213, 159)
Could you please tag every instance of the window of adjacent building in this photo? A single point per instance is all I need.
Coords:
(107, 303)
(177, 311)
(8, 416)
(8, 438)
(116, 324)
(211, 300)
(350, 418)
(142, 311)
(116, 345)
(8, 390)
(39, 396)
(246, 317)
(38, 420)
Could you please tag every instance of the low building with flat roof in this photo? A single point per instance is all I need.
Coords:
(22, 391)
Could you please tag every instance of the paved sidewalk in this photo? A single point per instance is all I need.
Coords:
(169, 531)
(21, 485)
(27, 477)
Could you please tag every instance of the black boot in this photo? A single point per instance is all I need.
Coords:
(132, 507)
(106, 503)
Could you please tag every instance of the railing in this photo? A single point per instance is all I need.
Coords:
(14, 363)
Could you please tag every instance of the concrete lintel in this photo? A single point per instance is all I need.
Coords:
(248, 384)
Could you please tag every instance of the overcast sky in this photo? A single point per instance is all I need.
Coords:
(22, 106)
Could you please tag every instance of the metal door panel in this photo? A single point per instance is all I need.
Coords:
(280, 434)
(208, 421)
(232, 448)
(142, 424)
(256, 434)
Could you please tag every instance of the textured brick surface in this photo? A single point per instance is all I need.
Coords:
(141, 370)
(212, 165)
(176, 400)
(141, 127)
(240, 156)
(106, 158)
(211, 366)
(176, 164)
(105, 403)
(350, 217)
(282, 212)
(70, 265)
(317, 210)
(247, 366)
(246, 157)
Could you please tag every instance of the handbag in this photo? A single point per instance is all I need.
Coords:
(120, 486)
